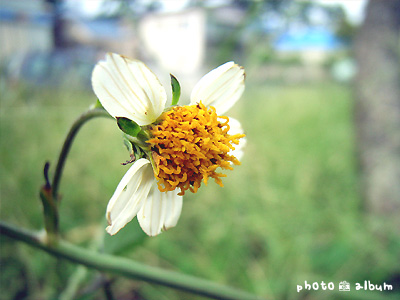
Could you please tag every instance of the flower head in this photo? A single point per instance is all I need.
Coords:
(174, 149)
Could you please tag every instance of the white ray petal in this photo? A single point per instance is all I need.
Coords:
(127, 88)
(130, 195)
(161, 211)
(173, 209)
(220, 88)
(236, 128)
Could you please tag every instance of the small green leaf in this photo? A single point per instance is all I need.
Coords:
(128, 126)
(176, 90)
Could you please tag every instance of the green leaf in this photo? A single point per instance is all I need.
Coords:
(176, 89)
(128, 126)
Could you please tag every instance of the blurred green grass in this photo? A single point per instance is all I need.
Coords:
(291, 212)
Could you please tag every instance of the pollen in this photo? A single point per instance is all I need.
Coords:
(188, 145)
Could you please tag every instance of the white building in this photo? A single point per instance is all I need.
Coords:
(176, 41)
(24, 26)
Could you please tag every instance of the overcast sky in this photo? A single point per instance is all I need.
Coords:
(353, 8)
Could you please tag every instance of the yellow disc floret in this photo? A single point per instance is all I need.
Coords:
(188, 144)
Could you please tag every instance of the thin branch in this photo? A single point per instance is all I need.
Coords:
(86, 116)
(126, 267)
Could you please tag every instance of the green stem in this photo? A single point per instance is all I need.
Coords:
(73, 283)
(81, 271)
(86, 116)
(126, 267)
(50, 212)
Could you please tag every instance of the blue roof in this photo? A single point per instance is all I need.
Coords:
(307, 39)
(107, 28)
(9, 15)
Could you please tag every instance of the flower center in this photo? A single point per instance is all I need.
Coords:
(188, 144)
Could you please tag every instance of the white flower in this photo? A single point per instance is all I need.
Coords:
(176, 156)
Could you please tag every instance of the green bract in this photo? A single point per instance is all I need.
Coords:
(176, 89)
(128, 126)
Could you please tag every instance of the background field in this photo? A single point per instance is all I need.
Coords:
(290, 213)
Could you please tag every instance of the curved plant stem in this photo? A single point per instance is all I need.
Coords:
(86, 116)
(125, 267)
